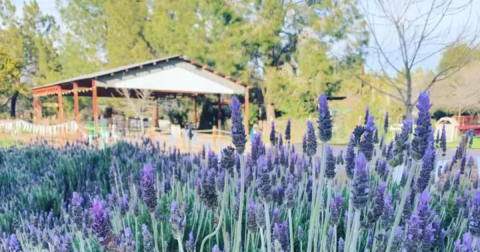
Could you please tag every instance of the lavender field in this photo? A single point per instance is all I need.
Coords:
(266, 197)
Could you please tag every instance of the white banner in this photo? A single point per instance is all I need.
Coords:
(16, 127)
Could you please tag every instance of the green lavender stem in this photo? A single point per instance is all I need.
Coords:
(399, 212)
(238, 231)
(349, 221)
(290, 227)
(356, 227)
(268, 227)
(155, 232)
(222, 213)
(327, 216)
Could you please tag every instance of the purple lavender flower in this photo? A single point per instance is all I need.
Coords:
(238, 131)
(466, 245)
(414, 233)
(324, 119)
(367, 114)
(388, 212)
(190, 244)
(77, 210)
(360, 188)
(330, 170)
(123, 205)
(260, 215)
(212, 160)
(336, 207)
(251, 217)
(300, 233)
(463, 163)
(357, 133)
(101, 224)
(311, 140)
(177, 220)
(474, 221)
(475, 183)
(401, 142)
(273, 135)
(389, 154)
(385, 124)
(340, 160)
(341, 244)
(263, 182)
(208, 193)
(280, 140)
(228, 160)
(350, 158)
(380, 167)
(280, 234)
(127, 240)
(13, 244)
(423, 130)
(148, 243)
(428, 165)
(290, 196)
(304, 144)
(377, 209)
(149, 193)
(287, 130)
(216, 249)
(443, 141)
(366, 141)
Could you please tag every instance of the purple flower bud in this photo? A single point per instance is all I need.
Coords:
(350, 158)
(360, 188)
(216, 249)
(273, 135)
(330, 171)
(260, 215)
(149, 193)
(290, 196)
(208, 193)
(177, 220)
(366, 141)
(367, 114)
(190, 244)
(341, 244)
(77, 210)
(324, 119)
(280, 233)
(357, 134)
(474, 221)
(148, 243)
(123, 205)
(263, 181)
(300, 233)
(388, 211)
(127, 240)
(101, 223)
(336, 207)
(311, 140)
(385, 124)
(428, 165)
(475, 183)
(238, 130)
(13, 244)
(423, 130)
(443, 141)
(251, 217)
(287, 130)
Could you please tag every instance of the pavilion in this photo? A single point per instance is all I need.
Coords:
(169, 76)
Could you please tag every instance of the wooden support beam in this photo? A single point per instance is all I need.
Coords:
(36, 111)
(60, 105)
(77, 110)
(95, 106)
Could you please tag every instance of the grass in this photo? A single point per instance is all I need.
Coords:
(475, 145)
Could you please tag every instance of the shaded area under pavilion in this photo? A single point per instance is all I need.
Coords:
(164, 77)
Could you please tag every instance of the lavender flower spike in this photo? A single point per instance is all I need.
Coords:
(149, 193)
(273, 135)
(101, 224)
(360, 188)
(287, 130)
(350, 158)
(367, 139)
(424, 127)
(324, 119)
(385, 124)
(474, 221)
(311, 140)
(238, 130)
(330, 171)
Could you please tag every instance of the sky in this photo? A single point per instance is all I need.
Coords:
(453, 23)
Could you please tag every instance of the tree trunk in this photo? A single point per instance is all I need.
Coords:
(13, 105)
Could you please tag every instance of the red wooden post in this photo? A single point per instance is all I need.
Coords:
(219, 107)
(77, 113)
(95, 105)
(60, 105)
(35, 110)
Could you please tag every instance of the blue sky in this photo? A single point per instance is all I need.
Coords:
(453, 22)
